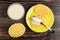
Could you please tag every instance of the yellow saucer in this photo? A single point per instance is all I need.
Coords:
(43, 12)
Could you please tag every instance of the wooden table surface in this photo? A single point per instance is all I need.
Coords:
(5, 21)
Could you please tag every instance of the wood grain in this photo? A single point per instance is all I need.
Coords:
(5, 21)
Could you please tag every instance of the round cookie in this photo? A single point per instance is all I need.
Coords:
(16, 30)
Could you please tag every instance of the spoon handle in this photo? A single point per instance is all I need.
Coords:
(51, 30)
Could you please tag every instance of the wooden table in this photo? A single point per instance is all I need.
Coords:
(5, 21)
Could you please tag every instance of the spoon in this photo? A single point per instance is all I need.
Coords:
(38, 21)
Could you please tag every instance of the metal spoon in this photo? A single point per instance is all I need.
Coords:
(38, 21)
